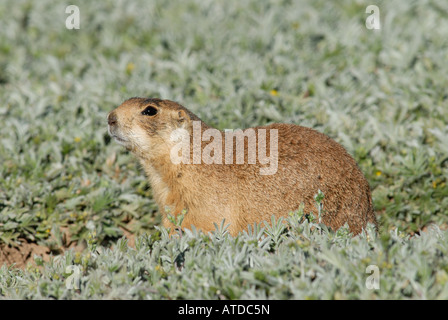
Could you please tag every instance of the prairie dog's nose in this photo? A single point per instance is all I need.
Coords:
(112, 118)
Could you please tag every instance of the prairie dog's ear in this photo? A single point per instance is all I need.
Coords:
(182, 116)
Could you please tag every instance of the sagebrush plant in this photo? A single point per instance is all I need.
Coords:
(307, 262)
(237, 64)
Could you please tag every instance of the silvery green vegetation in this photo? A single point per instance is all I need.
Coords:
(380, 93)
(263, 263)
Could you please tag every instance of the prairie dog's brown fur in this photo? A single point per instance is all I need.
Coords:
(308, 161)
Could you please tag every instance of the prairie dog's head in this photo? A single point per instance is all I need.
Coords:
(142, 124)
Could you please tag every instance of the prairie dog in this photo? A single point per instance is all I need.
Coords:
(244, 179)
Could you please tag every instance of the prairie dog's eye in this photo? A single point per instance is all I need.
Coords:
(150, 111)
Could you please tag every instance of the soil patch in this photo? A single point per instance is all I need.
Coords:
(21, 255)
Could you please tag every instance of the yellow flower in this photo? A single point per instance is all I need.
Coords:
(77, 139)
(441, 277)
(130, 67)
(366, 260)
(77, 259)
(434, 184)
(378, 173)
(274, 92)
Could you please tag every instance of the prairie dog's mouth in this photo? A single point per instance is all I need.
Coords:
(125, 143)
(118, 137)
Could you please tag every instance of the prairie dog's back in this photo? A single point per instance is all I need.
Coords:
(309, 161)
